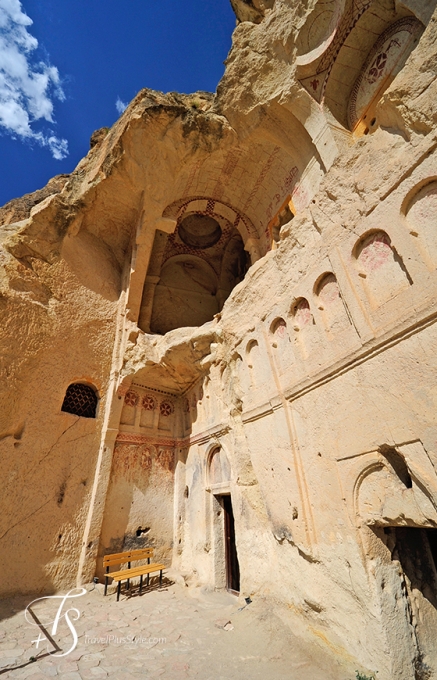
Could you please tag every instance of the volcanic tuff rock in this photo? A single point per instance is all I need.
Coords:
(246, 282)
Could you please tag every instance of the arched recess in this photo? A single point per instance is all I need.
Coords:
(319, 30)
(330, 303)
(391, 499)
(384, 61)
(355, 50)
(392, 485)
(367, 63)
(220, 520)
(193, 270)
(421, 215)
(219, 210)
(281, 346)
(303, 323)
(185, 295)
(218, 470)
(254, 363)
(381, 269)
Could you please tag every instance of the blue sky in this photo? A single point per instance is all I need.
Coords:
(61, 76)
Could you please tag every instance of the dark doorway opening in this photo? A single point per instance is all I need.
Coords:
(232, 566)
(416, 550)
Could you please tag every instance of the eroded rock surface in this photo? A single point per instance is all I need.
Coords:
(246, 282)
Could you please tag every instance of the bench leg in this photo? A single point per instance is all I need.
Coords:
(148, 579)
(118, 590)
(128, 584)
(106, 585)
(141, 583)
(160, 578)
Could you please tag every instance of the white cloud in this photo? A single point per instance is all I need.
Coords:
(27, 87)
(119, 105)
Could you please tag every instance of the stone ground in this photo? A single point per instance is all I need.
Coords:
(169, 633)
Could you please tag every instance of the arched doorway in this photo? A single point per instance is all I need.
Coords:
(227, 568)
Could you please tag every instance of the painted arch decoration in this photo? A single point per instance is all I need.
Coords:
(384, 62)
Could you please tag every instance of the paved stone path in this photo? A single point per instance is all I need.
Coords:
(168, 633)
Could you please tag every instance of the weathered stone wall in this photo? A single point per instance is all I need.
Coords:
(55, 332)
(309, 397)
(311, 411)
(139, 502)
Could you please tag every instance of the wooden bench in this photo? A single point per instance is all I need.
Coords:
(130, 572)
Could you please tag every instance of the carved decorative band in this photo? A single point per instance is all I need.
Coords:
(128, 438)
(140, 439)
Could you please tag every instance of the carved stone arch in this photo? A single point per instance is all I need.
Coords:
(251, 346)
(384, 61)
(330, 303)
(281, 347)
(420, 211)
(278, 327)
(210, 238)
(81, 399)
(356, 472)
(315, 75)
(218, 468)
(185, 294)
(210, 205)
(350, 66)
(319, 30)
(366, 471)
(395, 530)
(390, 486)
(301, 313)
(380, 267)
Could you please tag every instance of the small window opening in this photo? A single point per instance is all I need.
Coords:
(80, 400)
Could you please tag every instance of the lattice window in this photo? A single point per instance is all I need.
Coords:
(80, 400)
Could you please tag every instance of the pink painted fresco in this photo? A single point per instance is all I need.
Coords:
(375, 251)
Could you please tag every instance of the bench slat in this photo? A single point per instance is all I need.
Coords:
(131, 555)
(132, 573)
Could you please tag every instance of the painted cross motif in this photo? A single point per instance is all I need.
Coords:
(384, 61)
(148, 403)
(166, 408)
(131, 398)
(378, 65)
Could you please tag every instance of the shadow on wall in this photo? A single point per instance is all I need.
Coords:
(192, 272)
(93, 263)
(139, 503)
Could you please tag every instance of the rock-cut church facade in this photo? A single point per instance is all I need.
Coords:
(225, 319)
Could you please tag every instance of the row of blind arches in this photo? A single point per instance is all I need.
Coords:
(382, 273)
